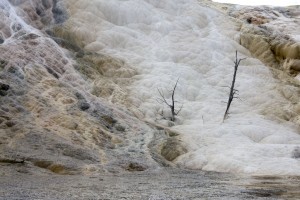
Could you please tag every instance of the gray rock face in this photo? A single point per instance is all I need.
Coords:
(50, 122)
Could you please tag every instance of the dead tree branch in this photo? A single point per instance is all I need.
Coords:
(233, 91)
(172, 104)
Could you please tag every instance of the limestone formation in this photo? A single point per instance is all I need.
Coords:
(70, 106)
(55, 115)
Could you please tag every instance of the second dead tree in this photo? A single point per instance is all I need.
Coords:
(172, 104)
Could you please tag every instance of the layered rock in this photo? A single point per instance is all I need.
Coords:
(55, 115)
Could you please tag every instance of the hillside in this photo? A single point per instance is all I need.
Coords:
(80, 85)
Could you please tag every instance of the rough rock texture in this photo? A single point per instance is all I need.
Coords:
(268, 34)
(54, 115)
(172, 148)
(272, 36)
(63, 110)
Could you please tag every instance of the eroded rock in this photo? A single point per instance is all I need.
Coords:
(172, 148)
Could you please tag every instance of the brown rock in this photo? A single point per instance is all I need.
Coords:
(172, 149)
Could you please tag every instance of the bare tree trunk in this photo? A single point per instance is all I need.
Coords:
(233, 91)
(173, 103)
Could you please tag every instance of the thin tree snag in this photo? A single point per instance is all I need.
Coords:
(233, 91)
(172, 104)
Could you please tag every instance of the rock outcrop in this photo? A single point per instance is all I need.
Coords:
(55, 110)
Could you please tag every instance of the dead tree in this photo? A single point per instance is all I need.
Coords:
(172, 104)
(233, 91)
